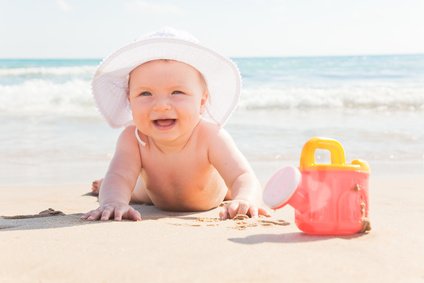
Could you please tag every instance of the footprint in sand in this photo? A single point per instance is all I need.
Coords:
(241, 222)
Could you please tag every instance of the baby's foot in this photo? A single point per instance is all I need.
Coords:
(95, 186)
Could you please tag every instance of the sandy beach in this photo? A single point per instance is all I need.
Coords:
(196, 247)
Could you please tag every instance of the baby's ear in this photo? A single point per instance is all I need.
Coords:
(127, 90)
(203, 101)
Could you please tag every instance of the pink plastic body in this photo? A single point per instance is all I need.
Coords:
(331, 202)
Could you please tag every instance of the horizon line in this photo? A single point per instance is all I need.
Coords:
(236, 57)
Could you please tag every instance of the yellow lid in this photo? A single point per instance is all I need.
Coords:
(338, 160)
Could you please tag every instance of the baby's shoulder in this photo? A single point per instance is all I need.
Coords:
(206, 128)
(128, 132)
(209, 131)
(128, 135)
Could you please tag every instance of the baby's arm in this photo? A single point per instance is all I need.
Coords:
(244, 188)
(119, 182)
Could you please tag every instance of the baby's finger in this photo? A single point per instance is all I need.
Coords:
(85, 215)
(134, 215)
(95, 214)
(263, 212)
(243, 208)
(253, 211)
(118, 214)
(107, 212)
(223, 213)
(233, 209)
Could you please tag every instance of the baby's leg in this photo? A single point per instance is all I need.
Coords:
(95, 186)
(138, 195)
(228, 196)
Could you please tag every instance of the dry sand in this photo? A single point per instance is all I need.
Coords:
(195, 247)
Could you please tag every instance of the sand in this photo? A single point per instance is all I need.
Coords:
(196, 247)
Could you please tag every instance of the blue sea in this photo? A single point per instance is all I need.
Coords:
(51, 131)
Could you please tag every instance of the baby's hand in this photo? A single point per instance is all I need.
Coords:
(115, 211)
(231, 209)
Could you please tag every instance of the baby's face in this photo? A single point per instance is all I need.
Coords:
(166, 98)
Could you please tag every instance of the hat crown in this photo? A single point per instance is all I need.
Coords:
(172, 33)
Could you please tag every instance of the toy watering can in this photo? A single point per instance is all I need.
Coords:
(329, 199)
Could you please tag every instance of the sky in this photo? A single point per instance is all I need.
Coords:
(236, 28)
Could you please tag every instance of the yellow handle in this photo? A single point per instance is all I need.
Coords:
(307, 158)
(338, 160)
(362, 164)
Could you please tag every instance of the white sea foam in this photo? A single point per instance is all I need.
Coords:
(73, 97)
(45, 97)
(58, 71)
(350, 97)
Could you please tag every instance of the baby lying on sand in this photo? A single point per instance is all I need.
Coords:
(173, 95)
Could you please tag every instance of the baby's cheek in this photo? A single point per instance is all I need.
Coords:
(141, 122)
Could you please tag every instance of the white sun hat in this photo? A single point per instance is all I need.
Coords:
(110, 82)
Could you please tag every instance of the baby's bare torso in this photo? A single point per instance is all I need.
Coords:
(185, 179)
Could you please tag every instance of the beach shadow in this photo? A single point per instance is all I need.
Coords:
(46, 219)
(149, 211)
(47, 222)
(90, 194)
(51, 218)
(294, 237)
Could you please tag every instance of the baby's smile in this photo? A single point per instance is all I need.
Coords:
(164, 123)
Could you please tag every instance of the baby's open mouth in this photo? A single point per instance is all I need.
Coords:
(164, 123)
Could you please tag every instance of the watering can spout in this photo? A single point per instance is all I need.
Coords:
(298, 201)
(282, 189)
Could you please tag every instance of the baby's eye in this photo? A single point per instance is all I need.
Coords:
(145, 93)
(178, 92)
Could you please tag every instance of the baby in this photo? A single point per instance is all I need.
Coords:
(173, 95)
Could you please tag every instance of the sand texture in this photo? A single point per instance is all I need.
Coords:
(56, 246)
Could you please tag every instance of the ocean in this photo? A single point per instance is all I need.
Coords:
(52, 133)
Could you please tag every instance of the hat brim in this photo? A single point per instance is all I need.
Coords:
(110, 82)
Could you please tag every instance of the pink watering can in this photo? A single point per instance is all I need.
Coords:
(329, 199)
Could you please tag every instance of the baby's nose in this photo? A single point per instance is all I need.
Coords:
(162, 104)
